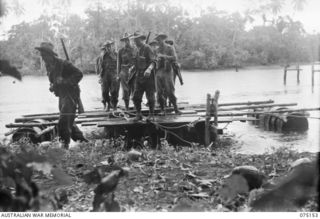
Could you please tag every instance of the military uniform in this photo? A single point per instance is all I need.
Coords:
(64, 82)
(143, 58)
(165, 76)
(69, 94)
(107, 70)
(125, 57)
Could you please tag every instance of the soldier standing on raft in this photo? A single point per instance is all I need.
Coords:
(144, 63)
(166, 55)
(125, 62)
(64, 83)
(106, 67)
(176, 66)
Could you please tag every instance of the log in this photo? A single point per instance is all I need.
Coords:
(10, 132)
(257, 106)
(45, 117)
(44, 131)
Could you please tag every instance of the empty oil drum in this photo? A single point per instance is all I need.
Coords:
(261, 120)
(267, 118)
(33, 134)
(279, 124)
(272, 122)
(297, 122)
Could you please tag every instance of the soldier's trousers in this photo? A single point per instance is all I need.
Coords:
(141, 85)
(66, 126)
(124, 80)
(110, 88)
(165, 87)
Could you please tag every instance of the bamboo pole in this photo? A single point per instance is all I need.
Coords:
(258, 106)
(102, 116)
(267, 112)
(245, 103)
(219, 114)
(19, 125)
(123, 121)
(250, 107)
(98, 111)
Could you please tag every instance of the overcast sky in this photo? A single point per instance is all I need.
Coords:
(310, 16)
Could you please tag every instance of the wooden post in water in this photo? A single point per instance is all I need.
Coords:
(298, 74)
(214, 111)
(285, 75)
(312, 75)
(207, 122)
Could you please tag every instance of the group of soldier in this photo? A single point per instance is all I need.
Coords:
(139, 68)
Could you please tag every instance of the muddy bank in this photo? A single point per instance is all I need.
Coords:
(180, 178)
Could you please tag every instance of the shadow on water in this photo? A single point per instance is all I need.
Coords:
(32, 96)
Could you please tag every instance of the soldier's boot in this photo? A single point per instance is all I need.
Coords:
(138, 116)
(151, 114)
(176, 109)
(162, 109)
(114, 105)
(108, 107)
(104, 105)
(64, 145)
(126, 103)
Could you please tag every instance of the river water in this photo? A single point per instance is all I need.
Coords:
(251, 84)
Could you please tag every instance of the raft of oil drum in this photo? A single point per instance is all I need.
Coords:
(283, 122)
(34, 134)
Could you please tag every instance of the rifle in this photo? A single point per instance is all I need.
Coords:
(148, 37)
(64, 49)
(80, 104)
(118, 64)
(177, 72)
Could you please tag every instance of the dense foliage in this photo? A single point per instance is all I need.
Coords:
(215, 39)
